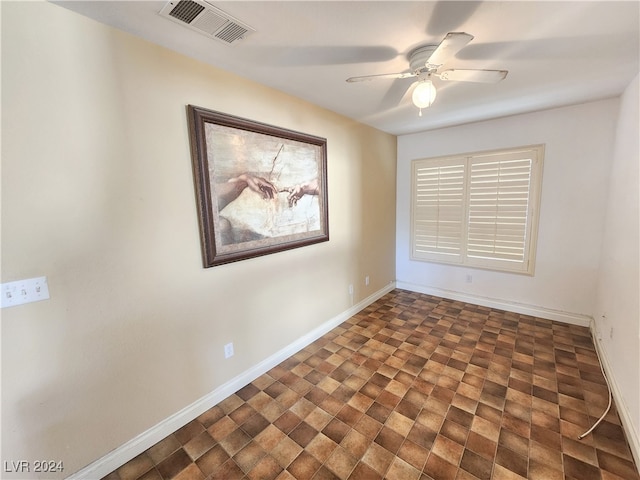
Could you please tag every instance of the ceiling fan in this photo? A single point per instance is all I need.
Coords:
(426, 60)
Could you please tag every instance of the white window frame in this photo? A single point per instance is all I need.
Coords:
(478, 209)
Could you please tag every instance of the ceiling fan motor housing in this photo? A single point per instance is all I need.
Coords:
(418, 58)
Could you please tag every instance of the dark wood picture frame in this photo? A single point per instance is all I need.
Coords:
(259, 189)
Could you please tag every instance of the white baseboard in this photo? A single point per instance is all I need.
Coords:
(149, 438)
(623, 410)
(508, 305)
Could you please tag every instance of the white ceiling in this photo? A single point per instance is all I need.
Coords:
(557, 53)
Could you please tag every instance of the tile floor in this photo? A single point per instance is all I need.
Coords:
(412, 387)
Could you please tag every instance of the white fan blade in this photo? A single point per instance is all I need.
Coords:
(481, 76)
(384, 75)
(452, 43)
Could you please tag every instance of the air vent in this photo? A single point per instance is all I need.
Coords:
(204, 18)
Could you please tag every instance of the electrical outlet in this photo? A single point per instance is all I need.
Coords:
(469, 278)
(611, 333)
(351, 289)
(228, 350)
(366, 280)
(24, 291)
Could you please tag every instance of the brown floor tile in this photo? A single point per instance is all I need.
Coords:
(476, 465)
(152, 474)
(199, 445)
(545, 455)
(448, 450)
(234, 442)
(616, 465)
(413, 454)
(364, 472)
(266, 469)
(355, 443)
(341, 462)
(579, 450)
(212, 460)
(422, 436)
(269, 437)
(222, 428)
(190, 430)
(171, 466)
(579, 470)
(481, 445)
(192, 472)
(401, 470)
(378, 458)
(439, 468)
(255, 424)
(501, 473)
(286, 451)
(250, 454)
(303, 434)
(389, 439)
(321, 447)
(454, 431)
(304, 466)
(511, 461)
(136, 467)
(163, 449)
(229, 470)
(412, 387)
(336, 430)
(546, 437)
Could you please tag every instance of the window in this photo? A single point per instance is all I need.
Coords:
(479, 209)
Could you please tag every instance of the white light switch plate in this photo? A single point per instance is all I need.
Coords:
(24, 291)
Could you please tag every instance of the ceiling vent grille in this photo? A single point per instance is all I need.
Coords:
(204, 18)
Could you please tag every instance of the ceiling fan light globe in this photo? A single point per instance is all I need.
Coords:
(424, 94)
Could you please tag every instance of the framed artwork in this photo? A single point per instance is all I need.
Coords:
(260, 189)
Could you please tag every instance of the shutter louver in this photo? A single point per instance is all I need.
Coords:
(438, 210)
(498, 207)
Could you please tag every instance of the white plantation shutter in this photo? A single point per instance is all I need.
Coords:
(499, 189)
(478, 210)
(438, 215)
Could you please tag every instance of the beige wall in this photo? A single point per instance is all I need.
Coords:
(97, 195)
